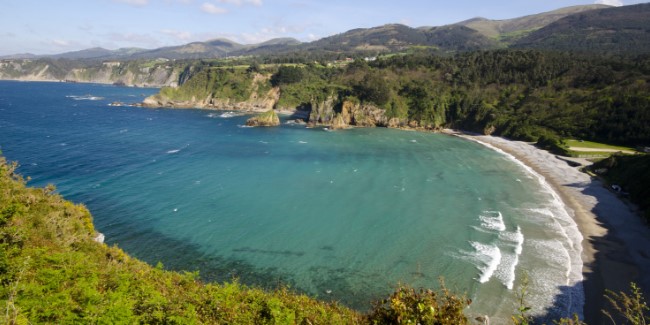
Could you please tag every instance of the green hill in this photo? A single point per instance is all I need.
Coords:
(508, 30)
(619, 30)
(397, 37)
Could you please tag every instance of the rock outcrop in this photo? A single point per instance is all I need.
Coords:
(269, 118)
(258, 101)
(118, 73)
(341, 115)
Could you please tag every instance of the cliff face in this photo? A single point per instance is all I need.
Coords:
(341, 115)
(140, 74)
(260, 99)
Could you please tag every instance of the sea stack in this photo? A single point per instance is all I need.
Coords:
(269, 118)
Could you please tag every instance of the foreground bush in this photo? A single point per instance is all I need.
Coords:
(410, 306)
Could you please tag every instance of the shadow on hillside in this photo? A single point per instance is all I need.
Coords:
(610, 269)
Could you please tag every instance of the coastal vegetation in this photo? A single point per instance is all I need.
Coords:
(585, 76)
(520, 94)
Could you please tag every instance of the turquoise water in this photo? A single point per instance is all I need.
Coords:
(340, 215)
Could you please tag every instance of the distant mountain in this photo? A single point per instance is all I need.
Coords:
(613, 30)
(19, 56)
(396, 37)
(217, 48)
(274, 46)
(197, 50)
(510, 29)
(97, 53)
(586, 28)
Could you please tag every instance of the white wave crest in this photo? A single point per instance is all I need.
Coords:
(492, 220)
(489, 258)
(85, 97)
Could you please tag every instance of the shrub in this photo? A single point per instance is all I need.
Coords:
(409, 306)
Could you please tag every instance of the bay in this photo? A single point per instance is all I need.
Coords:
(342, 216)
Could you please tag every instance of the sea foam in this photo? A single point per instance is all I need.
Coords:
(557, 214)
(492, 220)
(489, 258)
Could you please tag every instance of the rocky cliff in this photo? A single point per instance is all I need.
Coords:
(221, 89)
(261, 97)
(141, 74)
(346, 113)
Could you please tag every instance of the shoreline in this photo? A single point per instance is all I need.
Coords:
(614, 236)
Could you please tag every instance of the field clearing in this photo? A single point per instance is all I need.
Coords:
(595, 147)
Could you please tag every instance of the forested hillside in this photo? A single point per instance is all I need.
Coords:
(621, 31)
(520, 94)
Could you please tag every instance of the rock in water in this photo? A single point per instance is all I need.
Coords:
(99, 238)
(269, 118)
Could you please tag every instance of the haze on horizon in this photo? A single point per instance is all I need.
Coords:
(37, 27)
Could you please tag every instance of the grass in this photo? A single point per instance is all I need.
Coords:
(596, 145)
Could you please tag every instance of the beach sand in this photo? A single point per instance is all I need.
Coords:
(616, 241)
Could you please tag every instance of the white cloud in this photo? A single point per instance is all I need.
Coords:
(122, 39)
(615, 3)
(60, 43)
(138, 3)
(256, 3)
(177, 34)
(86, 27)
(212, 9)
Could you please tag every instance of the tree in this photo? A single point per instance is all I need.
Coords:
(373, 88)
(287, 75)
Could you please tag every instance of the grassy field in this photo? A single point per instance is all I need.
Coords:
(591, 147)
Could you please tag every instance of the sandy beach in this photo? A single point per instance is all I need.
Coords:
(616, 241)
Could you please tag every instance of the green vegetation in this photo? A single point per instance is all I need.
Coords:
(631, 306)
(410, 306)
(621, 31)
(525, 95)
(235, 84)
(269, 118)
(596, 145)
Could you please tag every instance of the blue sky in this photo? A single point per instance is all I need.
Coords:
(48, 27)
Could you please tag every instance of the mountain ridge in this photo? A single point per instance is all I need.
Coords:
(472, 34)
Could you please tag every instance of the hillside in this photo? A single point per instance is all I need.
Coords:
(527, 95)
(473, 34)
(396, 37)
(508, 30)
(619, 30)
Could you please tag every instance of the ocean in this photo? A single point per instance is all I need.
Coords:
(344, 216)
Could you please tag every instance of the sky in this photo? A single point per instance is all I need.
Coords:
(51, 27)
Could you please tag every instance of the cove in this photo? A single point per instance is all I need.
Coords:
(342, 215)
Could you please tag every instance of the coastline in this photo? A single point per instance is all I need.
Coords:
(614, 237)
